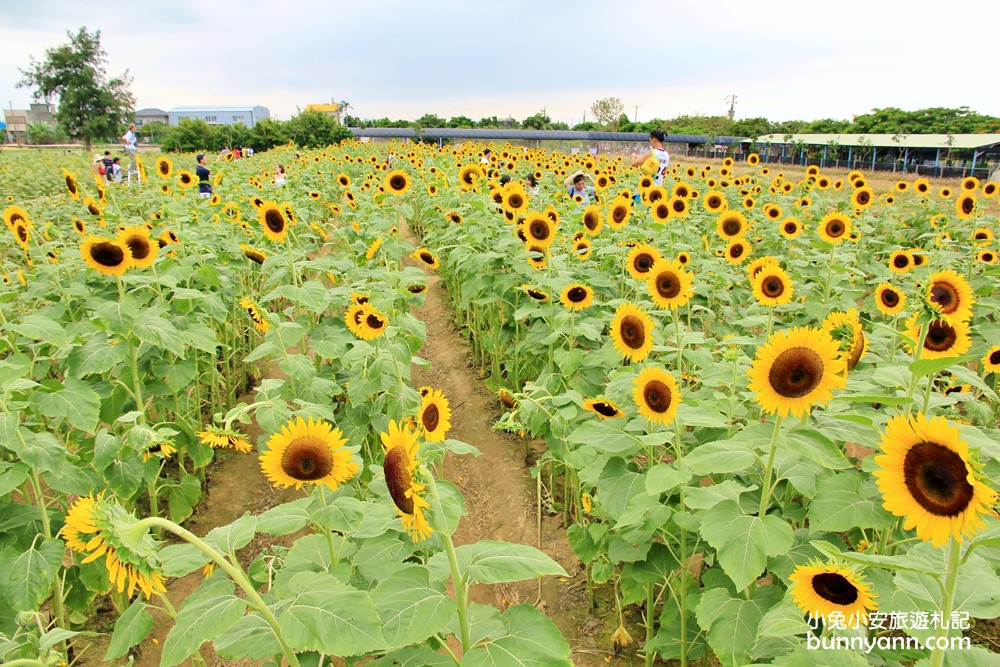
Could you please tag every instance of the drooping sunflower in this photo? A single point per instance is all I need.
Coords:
(256, 314)
(632, 332)
(577, 296)
(941, 340)
(371, 323)
(253, 254)
(737, 251)
(90, 529)
(71, 186)
(834, 227)
(845, 328)
(92, 206)
(469, 177)
(772, 286)
(603, 408)
(352, 318)
(273, 221)
(991, 360)
(796, 369)
(164, 167)
(373, 248)
(426, 257)
(308, 452)
(434, 416)
(397, 182)
(731, 225)
(822, 589)
(669, 284)
(143, 250)
(950, 295)
(965, 205)
(900, 261)
(107, 257)
(655, 393)
(641, 259)
(889, 300)
(926, 476)
(14, 216)
(216, 437)
(400, 464)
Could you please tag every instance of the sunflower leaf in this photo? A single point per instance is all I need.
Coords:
(250, 637)
(731, 622)
(529, 639)
(329, 616)
(205, 614)
(411, 610)
(41, 328)
(923, 367)
(744, 542)
(75, 401)
(842, 504)
(492, 562)
(130, 629)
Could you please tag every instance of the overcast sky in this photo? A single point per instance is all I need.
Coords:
(783, 59)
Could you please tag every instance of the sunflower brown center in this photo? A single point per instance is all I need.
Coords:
(71, 185)
(713, 202)
(901, 261)
(605, 409)
(940, 337)
(431, 417)
(945, 296)
(736, 251)
(863, 197)
(995, 357)
(773, 287)
(307, 459)
(577, 294)
(106, 253)
(657, 396)
(937, 479)
(374, 321)
(397, 182)
(618, 214)
(890, 299)
(590, 221)
(22, 234)
(632, 331)
(835, 588)
(790, 227)
(139, 247)
(968, 205)
(667, 284)
(539, 230)
(398, 478)
(731, 227)
(643, 262)
(274, 221)
(515, 201)
(835, 229)
(427, 257)
(93, 209)
(796, 372)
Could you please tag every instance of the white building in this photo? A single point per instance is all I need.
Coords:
(220, 115)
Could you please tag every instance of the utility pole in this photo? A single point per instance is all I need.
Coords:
(635, 116)
(732, 106)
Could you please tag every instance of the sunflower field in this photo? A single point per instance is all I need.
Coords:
(768, 405)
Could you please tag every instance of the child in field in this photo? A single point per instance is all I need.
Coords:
(203, 173)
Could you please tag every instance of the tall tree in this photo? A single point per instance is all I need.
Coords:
(607, 111)
(90, 104)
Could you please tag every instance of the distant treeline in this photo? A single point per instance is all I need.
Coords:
(936, 120)
(308, 129)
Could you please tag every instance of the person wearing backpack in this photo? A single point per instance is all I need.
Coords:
(576, 186)
(656, 150)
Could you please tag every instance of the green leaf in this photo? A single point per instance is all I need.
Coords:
(744, 542)
(840, 505)
(75, 401)
(181, 559)
(97, 355)
(452, 508)
(29, 576)
(664, 477)
(377, 556)
(182, 496)
(331, 617)
(703, 416)
(492, 562)
(530, 640)
(923, 367)
(205, 614)
(12, 475)
(816, 447)
(201, 337)
(617, 485)
(130, 629)
(230, 538)
(158, 332)
(607, 436)
(902, 563)
(414, 656)
(731, 622)
(41, 328)
(285, 518)
(410, 609)
(40, 450)
(721, 456)
(250, 637)
(707, 497)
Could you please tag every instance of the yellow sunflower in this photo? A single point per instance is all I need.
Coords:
(592, 219)
(822, 589)
(965, 206)
(641, 259)
(900, 261)
(539, 230)
(941, 340)
(862, 198)
(669, 284)
(926, 476)
(164, 167)
(772, 286)
(308, 452)
(256, 314)
(731, 225)
(143, 250)
(632, 332)
(71, 186)
(603, 408)
(991, 360)
(583, 249)
(986, 257)
(89, 529)
(714, 202)
(737, 251)
(889, 300)
(950, 295)
(845, 328)
(109, 258)
(186, 179)
(273, 221)
(434, 416)
(253, 254)
(577, 296)
(371, 323)
(401, 449)
(426, 257)
(796, 369)
(621, 209)
(397, 182)
(373, 248)
(655, 393)
(834, 227)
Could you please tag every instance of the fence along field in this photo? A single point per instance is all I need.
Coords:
(768, 403)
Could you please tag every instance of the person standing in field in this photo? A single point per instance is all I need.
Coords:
(203, 173)
(576, 185)
(129, 140)
(656, 150)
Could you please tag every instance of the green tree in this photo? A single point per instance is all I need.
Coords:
(607, 111)
(352, 121)
(268, 133)
(751, 127)
(45, 134)
(539, 121)
(192, 134)
(153, 132)
(90, 104)
(314, 129)
(430, 120)
(461, 122)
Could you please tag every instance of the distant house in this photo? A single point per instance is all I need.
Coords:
(147, 116)
(220, 115)
(17, 120)
(333, 110)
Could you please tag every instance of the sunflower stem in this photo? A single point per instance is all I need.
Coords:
(57, 596)
(334, 555)
(929, 390)
(235, 573)
(458, 581)
(829, 276)
(765, 489)
(682, 593)
(921, 335)
(947, 602)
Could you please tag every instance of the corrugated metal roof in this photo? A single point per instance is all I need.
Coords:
(540, 135)
(954, 141)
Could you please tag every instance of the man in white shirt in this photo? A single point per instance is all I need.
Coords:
(129, 140)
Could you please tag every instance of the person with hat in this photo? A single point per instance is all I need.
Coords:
(203, 173)
(97, 166)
